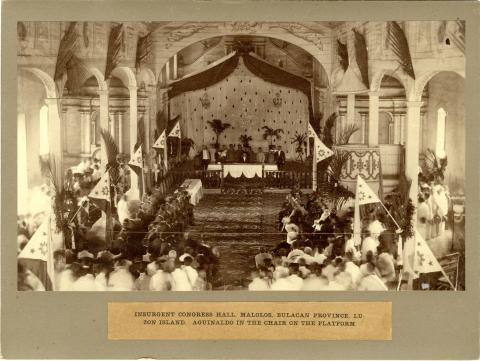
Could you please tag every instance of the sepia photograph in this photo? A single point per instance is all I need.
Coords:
(241, 155)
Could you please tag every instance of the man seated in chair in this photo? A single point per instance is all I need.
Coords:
(260, 156)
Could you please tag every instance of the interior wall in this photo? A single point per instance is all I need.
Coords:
(246, 102)
(446, 90)
(31, 97)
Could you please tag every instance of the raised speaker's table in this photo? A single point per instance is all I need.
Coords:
(248, 169)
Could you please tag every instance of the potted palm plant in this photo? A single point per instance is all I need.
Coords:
(218, 128)
(245, 139)
(300, 141)
(270, 133)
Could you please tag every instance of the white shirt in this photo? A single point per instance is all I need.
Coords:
(192, 274)
(120, 280)
(180, 281)
(258, 284)
(354, 271)
(85, 283)
(205, 154)
(369, 244)
(65, 280)
(160, 281)
(314, 283)
(101, 282)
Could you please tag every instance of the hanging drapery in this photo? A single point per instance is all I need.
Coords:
(343, 54)
(206, 78)
(399, 44)
(255, 65)
(361, 56)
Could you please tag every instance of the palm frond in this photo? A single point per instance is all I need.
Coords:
(346, 133)
(327, 132)
(111, 147)
(337, 163)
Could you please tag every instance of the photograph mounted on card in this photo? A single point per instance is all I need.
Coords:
(217, 159)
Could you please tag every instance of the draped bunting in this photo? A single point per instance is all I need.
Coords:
(343, 54)
(399, 44)
(206, 78)
(361, 56)
(257, 66)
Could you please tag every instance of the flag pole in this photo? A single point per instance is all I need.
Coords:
(314, 164)
(393, 219)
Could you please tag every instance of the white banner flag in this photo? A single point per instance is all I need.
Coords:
(176, 132)
(136, 160)
(322, 151)
(365, 194)
(102, 188)
(160, 142)
(423, 259)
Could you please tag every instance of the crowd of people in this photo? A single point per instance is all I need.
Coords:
(144, 248)
(242, 154)
(319, 251)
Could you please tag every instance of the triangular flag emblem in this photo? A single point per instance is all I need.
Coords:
(424, 260)
(160, 142)
(136, 160)
(37, 246)
(365, 194)
(322, 151)
(311, 131)
(176, 132)
(102, 188)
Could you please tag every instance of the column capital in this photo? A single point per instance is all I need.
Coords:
(102, 92)
(414, 104)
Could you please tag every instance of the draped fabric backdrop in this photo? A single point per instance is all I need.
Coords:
(244, 100)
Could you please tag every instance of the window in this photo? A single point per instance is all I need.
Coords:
(441, 125)
(44, 142)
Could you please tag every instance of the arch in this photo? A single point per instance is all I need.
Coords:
(102, 84)
(377, 78)
(146, 76)
(46, 80)
(126, 75)
(423, 80)
(309, 46)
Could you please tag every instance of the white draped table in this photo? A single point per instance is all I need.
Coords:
(248, 169)
(194, 188)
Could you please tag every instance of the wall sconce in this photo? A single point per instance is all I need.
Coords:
(205, 101)
(277, 101)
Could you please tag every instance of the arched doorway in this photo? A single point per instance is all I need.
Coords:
(443, 127)
(35, 124)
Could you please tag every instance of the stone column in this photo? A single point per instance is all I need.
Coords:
(120, 132)
(402, 129)
(87, 129)
(134, 191)
(175, 67)
(82, 132)
(103, 114)
(412, 147)
(351, 109)
(363, 128)
(55, 135)
(396, 129)
(373, 105)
